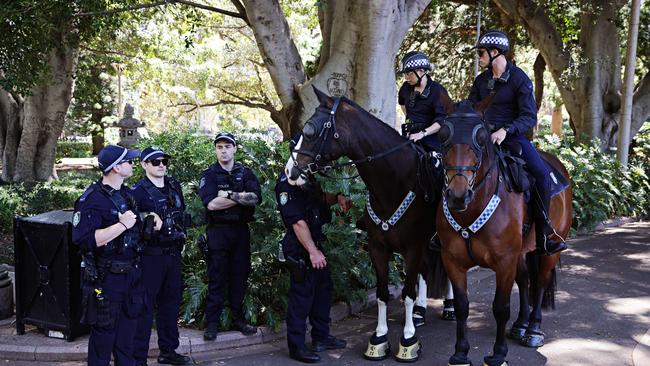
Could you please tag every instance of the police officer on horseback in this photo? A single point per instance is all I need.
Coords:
(511, 114)
(230, 192)
(162, 196)
(419, 98)
(304, 211)
(107, 229)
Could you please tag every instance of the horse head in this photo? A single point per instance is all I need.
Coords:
(465, 141)
(319, 142)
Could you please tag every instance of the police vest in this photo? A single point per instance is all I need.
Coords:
(233, 181)
(169, 208)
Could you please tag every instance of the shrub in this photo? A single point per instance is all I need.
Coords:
(73, 149)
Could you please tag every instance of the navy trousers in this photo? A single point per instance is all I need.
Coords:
(228, 269)
(537, 168)
(311, 299)
(124, 298)
(162, 280)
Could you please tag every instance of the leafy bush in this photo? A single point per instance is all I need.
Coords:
(73, 149)
(602, 188)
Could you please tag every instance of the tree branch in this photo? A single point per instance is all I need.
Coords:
(241, 9)
(167, 2)
(640, 105)
(107, 52)
(244, 103)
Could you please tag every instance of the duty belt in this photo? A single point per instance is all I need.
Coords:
(118, 267)
(172, 250)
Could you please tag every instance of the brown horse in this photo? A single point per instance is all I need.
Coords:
(480, 222)
(400, 208)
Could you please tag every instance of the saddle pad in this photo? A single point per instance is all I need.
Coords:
(558, 181)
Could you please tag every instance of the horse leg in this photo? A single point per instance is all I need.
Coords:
(378, 346)
(501, 312)
(409, 345)
(544, 288)
(448, 304)
(519, 326)
(420, 308)
(458, 280)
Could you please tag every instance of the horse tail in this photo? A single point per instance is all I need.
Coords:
(434, 272)
(533, 263)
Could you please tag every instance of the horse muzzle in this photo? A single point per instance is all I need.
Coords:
(458, 202)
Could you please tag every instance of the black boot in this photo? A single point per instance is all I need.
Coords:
(211, 332)
(547, 241)
(173, 358)
(244, 328)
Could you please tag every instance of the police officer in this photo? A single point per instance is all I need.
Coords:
(304, 210)
(419, 98)
(511, 114)
(161, 195)
(106, 227)
(230, 192)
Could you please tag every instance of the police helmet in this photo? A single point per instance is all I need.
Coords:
(494, 39)
(414, 60)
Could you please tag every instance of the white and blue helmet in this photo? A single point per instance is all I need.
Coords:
(414, 60)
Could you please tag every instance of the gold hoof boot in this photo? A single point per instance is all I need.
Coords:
(378, 348)
(409, 350)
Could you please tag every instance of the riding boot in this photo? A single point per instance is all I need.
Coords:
(545, 238)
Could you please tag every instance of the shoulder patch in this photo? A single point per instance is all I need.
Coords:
(76, 218)
(284, 198)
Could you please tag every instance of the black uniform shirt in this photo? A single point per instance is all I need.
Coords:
(146, 203)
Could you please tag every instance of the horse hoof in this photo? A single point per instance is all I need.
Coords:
(459, 361)
(409, 350)
(533, 340)
(517, 332)
(494, 361)
(378, 348)
(448, 315)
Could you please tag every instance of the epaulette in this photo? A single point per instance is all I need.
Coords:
(92, 188)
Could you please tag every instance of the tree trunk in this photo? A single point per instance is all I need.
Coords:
(10, 129)
(98, 142)
(589, 81)
(360, 41)
(30, 150)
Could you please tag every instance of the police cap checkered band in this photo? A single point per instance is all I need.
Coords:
(494, 39)
(414, 61)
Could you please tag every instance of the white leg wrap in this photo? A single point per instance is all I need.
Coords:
(450, 291)
(422, 293)
(382, 324)
(409, 328)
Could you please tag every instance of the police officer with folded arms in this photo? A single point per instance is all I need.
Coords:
(304, 211)
(162, 195)
(107, 228)
(230, 192)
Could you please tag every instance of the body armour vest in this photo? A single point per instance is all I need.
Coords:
(231, 181)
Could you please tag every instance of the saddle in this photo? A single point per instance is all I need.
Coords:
(516, 175)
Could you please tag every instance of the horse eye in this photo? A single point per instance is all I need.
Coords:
(309, 131)
(444, 134)
(481, 137)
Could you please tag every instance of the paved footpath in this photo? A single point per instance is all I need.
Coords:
(602, 315)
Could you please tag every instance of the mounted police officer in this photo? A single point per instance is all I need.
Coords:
(304, 211)
(162, 196)
(230, 192)
(512, 113)
(419, 98)
(106, 227)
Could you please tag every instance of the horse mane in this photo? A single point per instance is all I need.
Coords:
(369, 115)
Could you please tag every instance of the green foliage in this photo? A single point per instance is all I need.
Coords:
(602, 188)
(73, 149)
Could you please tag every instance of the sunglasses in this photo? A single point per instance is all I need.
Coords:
(480, 53)
(126, 161)
(164, 162)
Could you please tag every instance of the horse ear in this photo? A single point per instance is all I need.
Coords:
(483, 105)
(322, 97)
(446, 102)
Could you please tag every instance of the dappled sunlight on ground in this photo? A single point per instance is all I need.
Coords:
(582, 352)
(642, 258)
(578, 269)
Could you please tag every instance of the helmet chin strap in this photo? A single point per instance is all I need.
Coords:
(420, 77)
(489, 52)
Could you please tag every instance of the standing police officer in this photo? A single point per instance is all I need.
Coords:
(161, 261)
(106, 227)
(304, 210)
(230, 192)
(419, 98)
(511, 114)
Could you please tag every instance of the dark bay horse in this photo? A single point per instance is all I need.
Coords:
(480, 223)
(400, 211)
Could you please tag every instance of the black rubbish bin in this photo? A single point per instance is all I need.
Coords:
(47, 268)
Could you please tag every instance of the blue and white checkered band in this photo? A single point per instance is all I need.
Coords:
(495, 40)
(406, 202)
(418, 63)
(478, 223)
